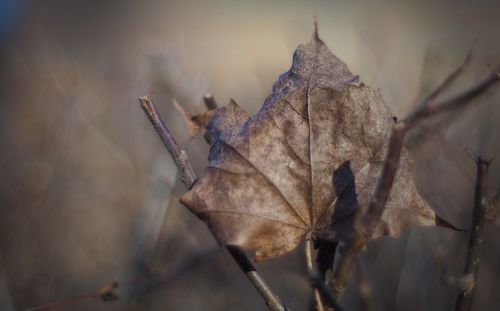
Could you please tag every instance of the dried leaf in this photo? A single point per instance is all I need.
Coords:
(304, 163)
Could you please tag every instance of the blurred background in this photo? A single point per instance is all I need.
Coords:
(88, 194)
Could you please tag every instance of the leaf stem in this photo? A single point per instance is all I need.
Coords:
(309, 251)
(188, 177)
(321, 293)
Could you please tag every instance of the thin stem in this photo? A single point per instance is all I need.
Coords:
(321, 293)
(188, 177)
(106, 293)
(367, 223)
(309, 255)
(464, 299)
(309, 252)
(325, 292)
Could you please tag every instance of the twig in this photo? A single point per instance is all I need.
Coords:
(326, 293)
(188, 178)
(446, 82)
(367, 222)
(430, 108)
(106, 293)
(309, 251)
(464, 300)
(178, 155)
(248, 268)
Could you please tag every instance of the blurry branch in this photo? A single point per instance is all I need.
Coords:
(431, 108)
(464, 299)
(326, 293)
(272, 301)
(417, 137)
(446, 83)
(106, 293)
(188, 178)
(364, 288)
(367, 222)
(165, 277)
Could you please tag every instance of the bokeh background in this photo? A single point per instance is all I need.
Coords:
(88, 195)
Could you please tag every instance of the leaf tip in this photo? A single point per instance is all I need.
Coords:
(315, 28)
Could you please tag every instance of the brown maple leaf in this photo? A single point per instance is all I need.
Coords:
(304, 164)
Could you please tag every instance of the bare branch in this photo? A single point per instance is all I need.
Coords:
(106, 293)
(178, 155)
(464, 300)
(247, 266)
(188, 178)
(367, 222)
(431, 109)
(446, 83)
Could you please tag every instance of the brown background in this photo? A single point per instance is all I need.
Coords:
(89, 195)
